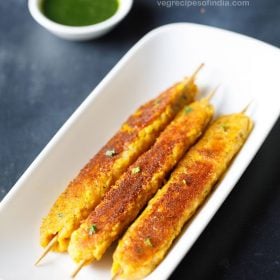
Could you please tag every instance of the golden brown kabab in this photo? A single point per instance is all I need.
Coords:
(149, 238)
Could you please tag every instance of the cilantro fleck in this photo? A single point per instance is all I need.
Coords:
(60, 215)
(92, 229)
(225, 127)
(157, 101)
(148, 242)
(188, 110)
(110, 153)
(136, 170)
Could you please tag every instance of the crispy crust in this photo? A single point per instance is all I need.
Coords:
(176, 202)
(136, 135)
(132, 191)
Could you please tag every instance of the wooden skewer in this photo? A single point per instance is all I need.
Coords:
(246, 108)
(193, 76)
(212, 93)
(47, 249)
(78, 268)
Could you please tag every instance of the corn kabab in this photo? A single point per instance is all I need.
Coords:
(136, 135)
(122, 203)
(148, 239)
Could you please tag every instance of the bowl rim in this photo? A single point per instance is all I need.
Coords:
(38, 15)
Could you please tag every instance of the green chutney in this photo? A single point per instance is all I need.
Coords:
(79, 12)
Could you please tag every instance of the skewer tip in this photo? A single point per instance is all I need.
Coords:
(47, 249)
(78, 268)
(246, 108)
(193, 76)
(212, 93)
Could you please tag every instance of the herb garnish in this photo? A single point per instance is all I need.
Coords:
(148, 242)
(136, 170)
(188, 110)
(157, 101)
(110, 153)
(225, 127)
(92, 229)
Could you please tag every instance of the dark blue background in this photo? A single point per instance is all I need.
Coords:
(43, 79)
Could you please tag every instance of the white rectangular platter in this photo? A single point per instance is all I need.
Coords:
(246, 69)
